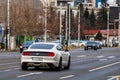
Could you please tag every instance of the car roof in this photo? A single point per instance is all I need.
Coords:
(46, 43)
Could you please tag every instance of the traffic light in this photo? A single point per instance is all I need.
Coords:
(7, 31)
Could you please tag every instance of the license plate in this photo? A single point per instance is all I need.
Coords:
(37, 59)
(89, 47)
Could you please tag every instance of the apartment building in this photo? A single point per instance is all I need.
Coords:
(118, 2)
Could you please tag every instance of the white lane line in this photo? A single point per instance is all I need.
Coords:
(10, 70)
(7, 70)
(10, 67)
(100, 56)
(69, 76)
(82, 56)
(111, 57)
(103, 59)
(113, 77)
(104, 66)
(9, 63)
(16, 68)
(29, 74)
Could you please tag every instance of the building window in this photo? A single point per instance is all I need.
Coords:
(52, 4)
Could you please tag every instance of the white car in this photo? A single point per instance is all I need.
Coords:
(45, 54)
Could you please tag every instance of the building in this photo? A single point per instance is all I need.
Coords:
(113, 35)
(118, 2)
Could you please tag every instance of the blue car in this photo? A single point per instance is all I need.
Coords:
(25, 45)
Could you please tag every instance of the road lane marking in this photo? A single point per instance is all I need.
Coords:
(10, 67)
(9, 70)
(29, 74)
(65, 77)
(100, 56)
(111, 57)
(103, 59)
(113, 77)
(104, 66)
(9, 63)
(82, 56)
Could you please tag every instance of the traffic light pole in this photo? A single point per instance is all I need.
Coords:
(108, 26)
(79, 26)
(8, 26)
(119, 30)
(60, 23)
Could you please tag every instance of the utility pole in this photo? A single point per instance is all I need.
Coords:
(78, 25)
(45, 33)
(119, 30)
(119, 25)
(60, 23)
(8, 26)
(108, 26)
(66, 30)
(69, 24)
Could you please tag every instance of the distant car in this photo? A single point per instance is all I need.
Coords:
(45, 54)
(81, 43)
(91, 45)
(25, 45)
(99, 44)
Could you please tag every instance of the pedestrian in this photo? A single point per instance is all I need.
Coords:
(2, 46)
(36, 40)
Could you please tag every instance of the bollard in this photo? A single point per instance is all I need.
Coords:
(118, 77)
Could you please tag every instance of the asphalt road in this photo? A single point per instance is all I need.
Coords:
(103, 64)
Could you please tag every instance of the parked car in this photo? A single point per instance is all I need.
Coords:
(99, 44)
(45, 54)
(91, 45)
(81, 43)
(25, 45)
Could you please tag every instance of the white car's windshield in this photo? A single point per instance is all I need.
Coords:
(41, 46)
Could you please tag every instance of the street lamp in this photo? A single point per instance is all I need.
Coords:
(108, 25)
(78, 24)
(60, 34)
(69, 25)
(114, 27)
(119, 26)
(45, 33)
(8, 26)
(107, 7)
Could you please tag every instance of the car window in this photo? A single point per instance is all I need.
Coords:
(42, 46)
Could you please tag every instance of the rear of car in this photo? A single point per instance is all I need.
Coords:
(43, 55)
(91, 45)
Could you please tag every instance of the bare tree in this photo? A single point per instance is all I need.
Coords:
(24, 19)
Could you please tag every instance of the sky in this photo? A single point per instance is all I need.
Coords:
(112, 2)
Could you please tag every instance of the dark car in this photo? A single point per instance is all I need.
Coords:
(91, 45)
(25, 45)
